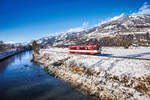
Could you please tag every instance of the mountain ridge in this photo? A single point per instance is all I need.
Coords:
(132, 24)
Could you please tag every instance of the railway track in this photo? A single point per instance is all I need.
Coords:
(123, 57)
(110, 56)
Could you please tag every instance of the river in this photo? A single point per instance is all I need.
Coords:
(21, 79)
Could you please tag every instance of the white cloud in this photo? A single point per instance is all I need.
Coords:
(145, 9)
(111, 19)
(78, 29)
(85, 24)
(117, 17)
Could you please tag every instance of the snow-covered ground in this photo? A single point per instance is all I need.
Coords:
(55, 49)
(118, 78)
(116, 66)
(10, 53)
(135, 52)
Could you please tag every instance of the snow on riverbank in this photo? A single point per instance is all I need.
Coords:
(116, 66)
(7, 54)
(104, 77)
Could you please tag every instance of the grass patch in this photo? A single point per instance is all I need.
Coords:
(141, 87)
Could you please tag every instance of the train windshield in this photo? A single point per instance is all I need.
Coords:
(98, 48)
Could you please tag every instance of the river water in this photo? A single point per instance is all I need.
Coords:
(21, 79)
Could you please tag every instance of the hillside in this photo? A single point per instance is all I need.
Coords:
(127, 30)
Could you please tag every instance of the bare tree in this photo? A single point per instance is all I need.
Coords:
(2, 46)
(35, 47)
(147, 37)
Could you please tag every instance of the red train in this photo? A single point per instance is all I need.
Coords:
(86, 49)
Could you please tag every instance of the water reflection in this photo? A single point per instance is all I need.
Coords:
(5, 63)
(21, 79)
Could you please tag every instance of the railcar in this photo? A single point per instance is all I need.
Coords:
(86, 49)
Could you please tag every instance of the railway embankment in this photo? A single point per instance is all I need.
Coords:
(103, 77)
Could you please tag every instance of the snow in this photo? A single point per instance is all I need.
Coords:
(116, 66)
(135, 52)
(103, 69)
(7, 54)
(79, 29)
(118, 25)
(54, 49)
(10, 42)
(111, 19)
(110, 27)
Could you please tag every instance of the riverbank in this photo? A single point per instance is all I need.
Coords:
(103, 77)
(8, 54)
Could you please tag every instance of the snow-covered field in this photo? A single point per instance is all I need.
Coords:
(117, 78)
(116, 66)
(54, 49)
(135, 52)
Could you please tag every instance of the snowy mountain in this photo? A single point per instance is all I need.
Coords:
(132, 24)
(124, 25)
(18, 44)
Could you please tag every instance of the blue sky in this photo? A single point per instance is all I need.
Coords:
(25, 20)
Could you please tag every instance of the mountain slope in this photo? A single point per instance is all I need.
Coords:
(133, 24)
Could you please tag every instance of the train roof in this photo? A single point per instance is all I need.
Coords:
(84, 45)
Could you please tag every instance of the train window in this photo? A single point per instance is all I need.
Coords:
(95, 48)
(73, 48)
(98, 48)
(82, 48)
(88, 48)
